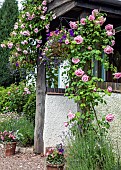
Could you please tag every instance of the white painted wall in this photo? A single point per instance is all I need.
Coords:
(57, 108)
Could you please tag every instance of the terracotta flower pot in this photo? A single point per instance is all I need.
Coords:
(54, 167)
(10, 148)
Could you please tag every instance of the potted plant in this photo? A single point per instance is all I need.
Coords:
(55, 158)
(9, 139)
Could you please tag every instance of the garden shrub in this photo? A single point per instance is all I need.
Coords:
(29, 108)
(25, 127)
(13, 98)
(91, 152)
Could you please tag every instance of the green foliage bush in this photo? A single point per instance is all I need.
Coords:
(91, 152)
(20, 99)
(29, 108)
(25, 127)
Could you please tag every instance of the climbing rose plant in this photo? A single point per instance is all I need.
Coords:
(83, 44)
(26, 39)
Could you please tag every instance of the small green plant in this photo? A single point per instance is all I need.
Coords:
(90, 152)
(55, 156)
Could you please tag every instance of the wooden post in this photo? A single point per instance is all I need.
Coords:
(40, 109)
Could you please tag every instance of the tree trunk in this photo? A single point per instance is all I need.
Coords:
(40, 109)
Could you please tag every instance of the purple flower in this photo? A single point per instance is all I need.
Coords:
(71, 33)
(17, 64)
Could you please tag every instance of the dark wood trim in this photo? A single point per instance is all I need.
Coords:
(56, 91)
(116, 87)
(102, 7)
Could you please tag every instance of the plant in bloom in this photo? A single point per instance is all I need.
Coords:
(81, 48)
(109, 118)
(117, 75)
(10, 136)
(55, 156)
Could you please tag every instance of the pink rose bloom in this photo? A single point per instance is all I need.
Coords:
(100, 21)
(79, 72)
(39, 41)
(66, 41)
(28, 92)
(75, 60)
(109, 33)
(71, 115)
(38, 45)
(54, 16)
(15, 26)
(113, 42)
(109, 117)
(47, 26)
(89, 48)
(10, 45)
(2, 138)
(95, 12)
(91, 18)
(3, 45)
(117, 75)
(25, 52)
(36, 30)
(109, 89)
(42, 17)
(26, 89)
(22, 26)
(78, 39)
(44, 2)
(83, 21)
(94, 89)
(85, 78)
(18, 49)
(109, 27)
(73, 25)
(65, 124)
(44, 8)
(108, 50)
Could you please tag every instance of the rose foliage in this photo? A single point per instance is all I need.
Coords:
(82, 44)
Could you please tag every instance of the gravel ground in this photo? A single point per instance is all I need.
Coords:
(21, 161)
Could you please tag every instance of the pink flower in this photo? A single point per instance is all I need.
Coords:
(85, 78)
(36, 30)
(109, 117)
(30, 26)
(66, 41)
(117, 75)
(65, 124)
(9, 92)
(109, 33)
(25, 42)
(73, 25)
(71, 115)
(42, 17)
(91, 18)
(113, 42)
(22, 26)
(26, 89)
(44, 2)
(75, 60)
(100, 20)
(3, 45)
(108, 50)
(109, 89)
(109, 27)
(79, 72)
(25, 52)
(83, 21)
(78, 39)
(94, 90)
(44, 9)
(2, 137)
(27, 14)
(47, 26)
(38, 45)
(28, 92)
(54, 16)
(89, 48)
(39, 41)
(95, 12)
(16, 26)
(18, 49)
(10, 45)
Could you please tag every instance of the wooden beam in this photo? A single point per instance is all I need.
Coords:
(56, 4)
(60, 10)
(104, 8)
